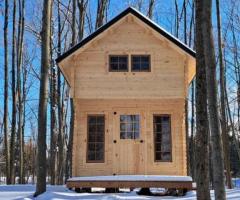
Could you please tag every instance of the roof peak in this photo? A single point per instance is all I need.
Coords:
(140, 16)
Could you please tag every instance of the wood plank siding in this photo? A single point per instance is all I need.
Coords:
(129, 156)
(160, 91)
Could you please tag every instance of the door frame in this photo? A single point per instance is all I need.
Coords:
(134, 164)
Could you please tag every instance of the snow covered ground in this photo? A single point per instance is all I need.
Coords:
(18, 192)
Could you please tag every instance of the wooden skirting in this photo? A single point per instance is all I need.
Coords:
(130, 184)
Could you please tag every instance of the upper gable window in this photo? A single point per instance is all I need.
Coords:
(141, 63)
(118, 63)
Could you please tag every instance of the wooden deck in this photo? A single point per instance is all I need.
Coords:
(131, 182)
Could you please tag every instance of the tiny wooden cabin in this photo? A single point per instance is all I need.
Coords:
(129, 82)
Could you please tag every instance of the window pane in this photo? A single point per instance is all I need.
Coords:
(92, 128)
(129, 126)
(100, 120)
(113, 59)
(123, 118)
(95, 141)
(123, 135)
(100, 128)
(162, 137)
(158, 146)
(158, 156)
(145, 66)
(99, 147)
(91, 155)
(130, 135)
(145, 59)
(91, 138)
(122, 67)
(100, 155)
(91, 146)
(92, 120)
(136, 66)
(123, 59)
(158, 137)
(140, 63)
(136, 59)
(166, 156)
(158, 128)
(118, 63)
(99, 138)
(123, 127)
(136, 135)
(136, 127)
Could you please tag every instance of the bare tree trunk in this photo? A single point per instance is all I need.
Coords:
(185, 20)
(186, 99)
(14, 106)
(60, 113)
(73, 24)
(191, 143)
(210, 64)
(101, 11)
(21, 5)
(53, 107)
(82, 6)
(6, 146)
(70, 141)
(43, 98)
(225, 137)
(234, 135)
(176, 19)
(72, 119)
(150, 8)
(202, 133)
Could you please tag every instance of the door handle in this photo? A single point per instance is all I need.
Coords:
(114, 141)
(141, 141)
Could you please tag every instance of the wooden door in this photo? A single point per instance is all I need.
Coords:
(128, 141)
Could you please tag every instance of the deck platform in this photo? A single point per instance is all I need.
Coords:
(131, 181)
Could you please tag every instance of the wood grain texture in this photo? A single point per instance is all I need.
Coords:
(90, 77)
(129, 156)
(131, 184)
(163, 90)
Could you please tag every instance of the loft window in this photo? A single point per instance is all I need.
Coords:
(95, 138)
(141, 63)
(162, 137)
(118, 63)
(129, 126)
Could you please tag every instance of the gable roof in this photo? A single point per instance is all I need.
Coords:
(140, 16)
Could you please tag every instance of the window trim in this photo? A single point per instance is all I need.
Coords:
(118, 55)
(170, 124)
(150, 66)
(95, 161)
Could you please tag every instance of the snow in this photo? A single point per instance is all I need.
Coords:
(132, 178)
(25, 192)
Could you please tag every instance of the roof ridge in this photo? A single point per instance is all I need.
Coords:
(137, 14)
